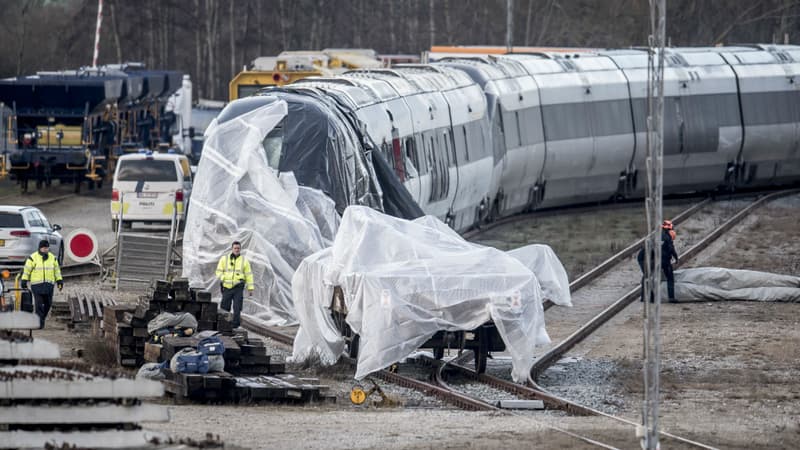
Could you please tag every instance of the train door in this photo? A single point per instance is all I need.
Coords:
(425, 170)
(675, 126)
(452, 169)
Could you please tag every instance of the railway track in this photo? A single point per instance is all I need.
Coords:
(441, 389)
(437, 390)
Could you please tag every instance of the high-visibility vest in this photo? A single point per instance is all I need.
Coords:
(232, 271)
(38, 270)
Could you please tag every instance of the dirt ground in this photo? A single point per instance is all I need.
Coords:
(729, 370)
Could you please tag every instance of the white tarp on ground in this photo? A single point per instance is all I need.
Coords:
(405, 280)
(237, 197)
(716, 283)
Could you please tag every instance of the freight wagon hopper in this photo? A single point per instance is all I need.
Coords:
(71, 125)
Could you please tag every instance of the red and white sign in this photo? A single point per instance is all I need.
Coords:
(81, 245)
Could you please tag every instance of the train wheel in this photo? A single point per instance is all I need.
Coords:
(482, 351)
(352, 350)
(481, 356)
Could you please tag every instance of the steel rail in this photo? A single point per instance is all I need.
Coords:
(546, 360)
(522, 391)
(555, 353)
(458, 400)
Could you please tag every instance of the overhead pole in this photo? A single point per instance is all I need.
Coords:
(509, 25)
(97, 32)
(654, 212)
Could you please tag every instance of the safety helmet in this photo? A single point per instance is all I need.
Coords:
(667, 225)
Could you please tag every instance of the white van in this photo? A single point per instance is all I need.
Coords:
(150, 186)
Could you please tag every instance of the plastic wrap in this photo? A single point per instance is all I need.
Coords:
(238, 197)
(552, 276)
(716, 284)
(405, 280)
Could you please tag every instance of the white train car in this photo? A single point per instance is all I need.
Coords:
(769, 92)
(512, 99)
(480, 137)
(587, 125)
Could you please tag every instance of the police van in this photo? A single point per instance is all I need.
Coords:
(150, 188)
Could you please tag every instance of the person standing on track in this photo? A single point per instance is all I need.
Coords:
(668, 253)
(234, 274)
(42, 271)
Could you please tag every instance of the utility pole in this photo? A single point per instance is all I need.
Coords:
(509, 25)
(653, 206)
(97, 32)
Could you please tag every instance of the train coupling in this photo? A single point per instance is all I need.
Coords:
(96, 170)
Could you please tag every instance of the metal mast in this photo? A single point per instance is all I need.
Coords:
(509, 25)
(653, 206)
(97, 32)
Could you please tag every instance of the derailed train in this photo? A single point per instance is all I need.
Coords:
(481, 137)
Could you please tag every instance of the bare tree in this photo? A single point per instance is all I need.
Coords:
(24, 15)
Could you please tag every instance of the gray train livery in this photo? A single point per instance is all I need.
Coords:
(470, 139)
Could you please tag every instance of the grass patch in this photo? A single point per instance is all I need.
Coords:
(98, 351)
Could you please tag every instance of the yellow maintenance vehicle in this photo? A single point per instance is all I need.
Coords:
(290, 66)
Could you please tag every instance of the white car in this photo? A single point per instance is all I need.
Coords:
(21, 230)
(150, 188)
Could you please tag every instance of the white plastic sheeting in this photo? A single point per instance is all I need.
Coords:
(716, 283)
(405, 280)
(552, 276)
(238, 197)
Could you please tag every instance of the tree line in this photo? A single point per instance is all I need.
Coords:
(213, 39)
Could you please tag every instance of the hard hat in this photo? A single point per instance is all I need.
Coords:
(667, 225)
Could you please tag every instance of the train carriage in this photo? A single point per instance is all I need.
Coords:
(768, 79)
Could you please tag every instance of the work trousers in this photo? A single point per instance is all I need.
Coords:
(43, 303)
(670, 276)
(234, 295)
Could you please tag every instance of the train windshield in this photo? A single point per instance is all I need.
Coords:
(273, 146)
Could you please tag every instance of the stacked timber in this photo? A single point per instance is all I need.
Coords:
(225, 387)
(125, 326)
(125, 333)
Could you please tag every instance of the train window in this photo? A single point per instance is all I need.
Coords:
(466, 143)
(460, 143)
(531, 126)
(273, 146)
(449, 148)
(435, 172)
(566, 121)
(246, 90)
(610, 118)
(411, 159)
(475, 141)
(499, 140)
(511, 129)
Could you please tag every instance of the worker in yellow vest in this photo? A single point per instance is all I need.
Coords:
(42, 271)
(234, 274)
